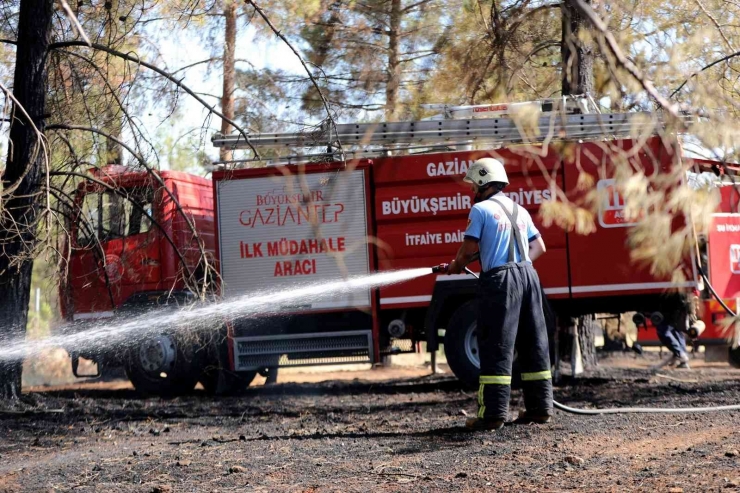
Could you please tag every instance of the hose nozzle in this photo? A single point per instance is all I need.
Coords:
(440, 269)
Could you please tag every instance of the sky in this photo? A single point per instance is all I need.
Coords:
(180, 51)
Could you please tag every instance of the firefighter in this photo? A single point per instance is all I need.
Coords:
(510, 313)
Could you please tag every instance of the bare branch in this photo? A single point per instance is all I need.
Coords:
(135, 58)
(135, 131)
(210, 60)
(40, 141)
(75, 22)
(716, 24)
(300, 59)
(706, 67)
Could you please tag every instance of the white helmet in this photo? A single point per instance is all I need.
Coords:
(485, 171)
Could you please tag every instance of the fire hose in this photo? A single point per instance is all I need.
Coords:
(620, 410)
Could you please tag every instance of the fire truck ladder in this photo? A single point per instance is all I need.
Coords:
(518, 124)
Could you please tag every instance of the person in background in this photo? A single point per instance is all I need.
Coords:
(675, 341)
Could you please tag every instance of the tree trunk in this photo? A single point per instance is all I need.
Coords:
(394, 63)
(587, 341)
(227, 98)
(114, 150)
(24, 168)
(577, 55)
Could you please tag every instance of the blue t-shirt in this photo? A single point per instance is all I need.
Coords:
(488, 224)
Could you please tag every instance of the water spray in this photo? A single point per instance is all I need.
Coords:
(122, 332)
(612, 410)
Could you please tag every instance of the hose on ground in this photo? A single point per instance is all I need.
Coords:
(645, 410)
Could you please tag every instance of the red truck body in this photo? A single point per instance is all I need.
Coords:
(574, 266)
(723, 255)
(413, 208)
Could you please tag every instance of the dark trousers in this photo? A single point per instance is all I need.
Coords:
(510, 316)
(672, 338)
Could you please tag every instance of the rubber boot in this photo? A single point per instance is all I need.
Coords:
(480, 424)
(526, 418)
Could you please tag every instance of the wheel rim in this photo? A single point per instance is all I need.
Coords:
(471, 345)
(157, 355)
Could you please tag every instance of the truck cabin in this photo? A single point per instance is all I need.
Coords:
(127, 237)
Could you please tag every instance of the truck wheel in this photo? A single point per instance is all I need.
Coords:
(461, 347)
(216, 377)
(162, 365)
(733, 356)
(217, 381)
(461, 344)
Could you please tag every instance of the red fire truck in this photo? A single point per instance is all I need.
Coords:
(398, 202)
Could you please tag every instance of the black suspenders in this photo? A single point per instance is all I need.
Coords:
(516, 234)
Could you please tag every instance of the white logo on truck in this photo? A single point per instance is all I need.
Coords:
(271, 235)
(611, 207)
(735, 259)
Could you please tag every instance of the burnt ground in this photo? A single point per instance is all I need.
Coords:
(359, 435)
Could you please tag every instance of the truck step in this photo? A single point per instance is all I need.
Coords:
(303, 349)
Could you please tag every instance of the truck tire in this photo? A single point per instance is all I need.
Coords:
(217, 381)
(461, 347)
(733, 356)
(216, 376)
(162, 364)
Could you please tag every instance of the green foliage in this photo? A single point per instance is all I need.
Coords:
(367, 58)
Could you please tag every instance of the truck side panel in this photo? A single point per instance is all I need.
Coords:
(279, 228)
(271, 237)
(421, 206)
(600, 263)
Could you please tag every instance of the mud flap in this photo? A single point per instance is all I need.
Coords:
(76, 365)
(461, 290)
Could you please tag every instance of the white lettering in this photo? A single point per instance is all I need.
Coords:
(458, 202)
(448, 168)
(427, 238)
